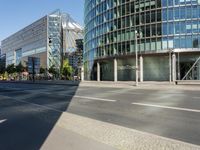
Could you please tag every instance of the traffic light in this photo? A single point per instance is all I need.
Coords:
(50, 40)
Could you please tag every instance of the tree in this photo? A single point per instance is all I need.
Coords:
(11, 69)
(2, 68)
(67, 70)
(52, 70)
(20, 68)
(42, 70)
(5, 75)
(2, 65)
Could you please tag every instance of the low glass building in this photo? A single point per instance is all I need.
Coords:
(165, 34)
(47, 38)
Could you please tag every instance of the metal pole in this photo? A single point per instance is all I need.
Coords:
(136, 60)
(98, 71)
(170, 67)
(115, 70)
(33, 75)
(179, 75)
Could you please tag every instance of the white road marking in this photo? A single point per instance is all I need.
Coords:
(121, 92)
(94, 98)
(196, 97)
(167, 107)
(1, 121)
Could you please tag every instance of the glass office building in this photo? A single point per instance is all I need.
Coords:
(167, 39)
(46, 38)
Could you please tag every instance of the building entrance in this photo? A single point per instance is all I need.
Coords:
(189, 69)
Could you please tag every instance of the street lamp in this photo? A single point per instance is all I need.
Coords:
(136, 59)
(170, 64)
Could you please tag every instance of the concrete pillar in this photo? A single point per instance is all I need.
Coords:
(98, 71)
(141, 69)
(115, 70)
(174, 67)
(170, 67)
(198, 70)
(82, 73)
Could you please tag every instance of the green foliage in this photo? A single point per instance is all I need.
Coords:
(67, 70)
(11, 69)
(42, 70)
(52, 70)
(2, 68)
(20, 68)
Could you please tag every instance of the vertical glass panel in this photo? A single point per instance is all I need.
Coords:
(170, 14)
(170, 42)
(188, 41)
(194, 12)
(164, 3)
(182, 42)
(164, 29)
(170, 28)
(170, 2)
(153, 44)
(164, 43)
(182, 27)
(147, 45)
(176, 42)
(182, 13)
(142, 46)
(189, 12)
(132, 46)
(127, 36)
(164, 15)
(195, 26)
(148, 32)
(159, 44)
(188, 27)
(195, 42)
(176, 2)
(153, 29)
(177, 27)
(176, 13)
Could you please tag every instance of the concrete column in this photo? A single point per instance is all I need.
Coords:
(98, 71)
(198, 70)
(174, 67)
(115, 70)
(141, 69)
(170, 67)
(82, 73)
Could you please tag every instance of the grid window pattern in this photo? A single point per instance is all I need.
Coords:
(110, 27)
(162, 24)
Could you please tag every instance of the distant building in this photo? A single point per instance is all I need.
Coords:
(0, 50)
(2, 63)
(76, 57)
(47, 38)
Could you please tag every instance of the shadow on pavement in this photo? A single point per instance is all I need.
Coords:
(27, 117)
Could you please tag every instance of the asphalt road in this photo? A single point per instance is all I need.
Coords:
(173, 113)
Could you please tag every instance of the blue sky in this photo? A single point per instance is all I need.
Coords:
(16, 14)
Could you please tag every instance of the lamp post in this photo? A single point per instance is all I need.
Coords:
(136, 59)
(170, 65)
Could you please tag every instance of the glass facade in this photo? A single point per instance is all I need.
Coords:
(54, 40)
(18, 54)
(110, 27)
(45, 38)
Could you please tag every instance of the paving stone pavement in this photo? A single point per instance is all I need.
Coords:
(119, 137)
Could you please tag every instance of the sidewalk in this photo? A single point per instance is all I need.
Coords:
(182, 85)
(73, 132)
(46, 82)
